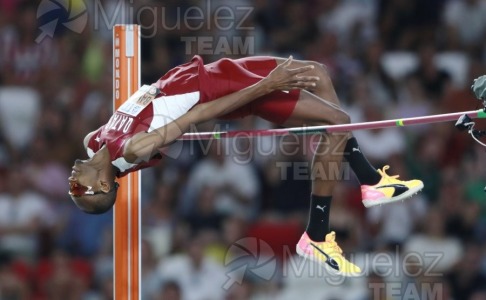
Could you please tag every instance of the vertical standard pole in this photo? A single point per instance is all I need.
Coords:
(126, 214)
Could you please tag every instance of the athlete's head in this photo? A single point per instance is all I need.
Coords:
(92, 189)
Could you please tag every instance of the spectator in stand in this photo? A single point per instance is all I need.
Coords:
(12, 284)
(62, 277)
(25, 61)
(206, 217)
(443, 252)
(159, 220)
(198, 276)
(382, 87)
(403, 24)
(466, 278)
(236, 185)
(295, 28)
(170, 290)
(150, 278)
(466, 25)
(84, 235)
(434, 80)
(45, 171)
(24, 214)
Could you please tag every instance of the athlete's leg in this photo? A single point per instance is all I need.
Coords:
(324, 87)
(318, 242)
(376, 186)
(311, 110)
(320, 106)
(305, 114)
(306, 108)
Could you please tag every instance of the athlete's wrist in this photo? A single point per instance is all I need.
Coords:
(265, 86)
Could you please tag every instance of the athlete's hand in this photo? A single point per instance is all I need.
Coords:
(285, 78)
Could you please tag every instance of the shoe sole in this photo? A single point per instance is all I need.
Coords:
(369, 203)
(330, 270)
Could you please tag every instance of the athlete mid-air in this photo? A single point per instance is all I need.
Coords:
(286, 92)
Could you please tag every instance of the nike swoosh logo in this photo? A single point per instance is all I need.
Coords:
(329, 260)
(398, 188)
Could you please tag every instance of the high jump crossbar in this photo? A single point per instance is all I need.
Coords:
(473, 114)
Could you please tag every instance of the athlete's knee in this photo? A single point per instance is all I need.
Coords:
(340, 117)
(320, 70)
(344, 118)
(337, 117)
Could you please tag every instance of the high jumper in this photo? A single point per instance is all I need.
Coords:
(286, 92)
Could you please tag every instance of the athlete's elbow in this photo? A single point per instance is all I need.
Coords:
(129, 152)
(136, 147)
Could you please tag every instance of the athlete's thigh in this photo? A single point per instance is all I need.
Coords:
(228, 76)
(297, 108)
(276, 107)
(296, 63)
(259, 65)
(311, 110)
(324, 87)
(288, 108)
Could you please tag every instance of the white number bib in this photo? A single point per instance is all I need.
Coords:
(138, 101)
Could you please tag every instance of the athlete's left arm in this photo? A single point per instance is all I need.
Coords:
(144, 145)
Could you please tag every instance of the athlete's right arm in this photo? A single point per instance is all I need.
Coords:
(143, 145)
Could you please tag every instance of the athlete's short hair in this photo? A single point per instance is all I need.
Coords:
(96, 204)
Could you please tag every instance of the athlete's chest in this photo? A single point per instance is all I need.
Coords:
(122, 124)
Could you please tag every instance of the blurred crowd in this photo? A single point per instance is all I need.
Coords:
(208, 207)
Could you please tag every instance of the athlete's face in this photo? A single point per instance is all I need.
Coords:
(84, 178)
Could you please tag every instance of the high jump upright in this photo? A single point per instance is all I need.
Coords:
(126, 214)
